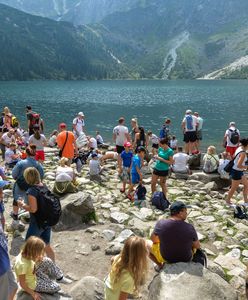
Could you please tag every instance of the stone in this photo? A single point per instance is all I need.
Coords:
(189, 281)
(213, 267)
(88, 288)
(113, 248)
(206, 219)
(244, 242)
(106, 205)
(144, 213)
(118, 217)
(109, 235)
(124, 235)
(245, 253)
(211, 186)
(75, 207)
(200, 236)
(229, 262)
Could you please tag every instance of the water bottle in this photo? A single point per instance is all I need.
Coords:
(235, 253)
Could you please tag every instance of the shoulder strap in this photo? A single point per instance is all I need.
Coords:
(65, 142)
(238, 154)
(214, 158)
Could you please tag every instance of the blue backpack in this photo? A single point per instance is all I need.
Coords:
(163, 132)
(189, 122)
(159, 201)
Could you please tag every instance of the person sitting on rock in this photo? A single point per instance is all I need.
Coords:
(210, 161)
(173, 240)
(128, 271)
(12, 156)
(223, 162)
(95, 167)
(180, 164)
(65, 178)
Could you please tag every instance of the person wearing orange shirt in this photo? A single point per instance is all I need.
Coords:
(67, 143)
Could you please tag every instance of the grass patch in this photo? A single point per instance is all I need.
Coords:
(90, 217)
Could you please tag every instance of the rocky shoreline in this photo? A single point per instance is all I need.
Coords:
(98, 219)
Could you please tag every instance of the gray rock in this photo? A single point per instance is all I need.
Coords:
(206, 219)
(88, 288)
(211, 186)
(119, 217)
(143, 214)
(189, 281)
(113, 248)
(75, 207)
(109, 235)
(124, 235)
(229, 262)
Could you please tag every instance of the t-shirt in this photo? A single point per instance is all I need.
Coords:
(200, 123)
(176, 239)
(120, 131)
(136, 163)
(4, 257)
(173, 144)
(7, 140)
(25, 267)
(125, 284)
(237, 152)
(94, 166)
(228, 136)
(93, 143)
(180, 161)
(222, 164)
(99, 139)
(190, 123)
(64, 174)
(8, 156)
(30, 118)
(126, 158)
(79, 124)
(68, 151)
(52, 141)
(165, 154)
(38, 143)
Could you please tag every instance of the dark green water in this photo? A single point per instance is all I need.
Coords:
(103, 102)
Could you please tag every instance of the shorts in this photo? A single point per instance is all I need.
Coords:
(35, 230)
(161, 173)
(155, 146)
(135, 178)
(199, 135)
(119, 149)
(190, 137)
(40, 155)
(231, 150)
(125, 174)
(236, 175)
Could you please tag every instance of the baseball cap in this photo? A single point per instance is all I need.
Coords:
(62, 125)
(232, 124)
(177, 206)
(94, 155)
(127, 144)
(3, 183)
(188, 111)
(81, 114)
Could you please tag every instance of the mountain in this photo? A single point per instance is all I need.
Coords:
(38, 48)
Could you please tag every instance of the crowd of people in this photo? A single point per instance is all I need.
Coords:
(173, 240)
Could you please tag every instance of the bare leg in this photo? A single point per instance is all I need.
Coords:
(245, 190)
(234, 186)
(162, 181)
(154, 183)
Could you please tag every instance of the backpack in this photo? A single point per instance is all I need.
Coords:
(240, 212)
(35, 119)
(140, 192)
(14, 122)
(49, 207)
(189, 122)
(208, 166)
(200, 257)
(160, 201)
(163, 132)
(234, 137)
(229, 166)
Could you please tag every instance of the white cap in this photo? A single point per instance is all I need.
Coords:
(188, 111)
(232, 124)
(81, 114)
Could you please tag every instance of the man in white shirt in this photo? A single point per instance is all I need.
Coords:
(231, 139)
(198, 130)
(189, 126)
(6, 139)
(78, 124)
(180, 164)
(120, 137)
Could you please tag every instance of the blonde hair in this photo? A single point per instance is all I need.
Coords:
(211, 150)
(64, 162)
(32, 176)
(33, 248)
(133, 258)
(6, 110)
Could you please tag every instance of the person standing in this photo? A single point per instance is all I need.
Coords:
(165, 130)
(78, 124)
(231, 139)
(135, 128)
(189, 126)
(66, 142)
(198, 131)
(39, 140)
(120, 137)
(33, 119)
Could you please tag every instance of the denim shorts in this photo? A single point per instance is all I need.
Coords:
(35, 230)
(236, 175)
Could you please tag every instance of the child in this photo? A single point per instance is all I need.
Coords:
(36, 273)
(173, 143)
(128, 270)
(154, 140)
(3, 183)
(126, 156)
(99, 138)
(136, 175)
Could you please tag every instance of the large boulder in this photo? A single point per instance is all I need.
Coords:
(76, 208)
(88, 288)
(206, 178)
(189, 281)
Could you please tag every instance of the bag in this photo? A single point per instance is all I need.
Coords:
(163, 132)
(14, 122)
(160, 201)
(240, 212)
(234, 137)
(61, 151)
(21, 182)
(49, 208)
(189, 122)
(229, 166)
(140, 193)
(35, 119)
(200, 257)
(208, 166)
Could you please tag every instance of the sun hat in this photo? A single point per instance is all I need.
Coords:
(81, 114)
(127, 144)
(177, 206)
(3, 183)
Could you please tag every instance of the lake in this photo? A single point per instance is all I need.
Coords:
(103, 102)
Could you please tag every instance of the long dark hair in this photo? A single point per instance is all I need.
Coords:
(142, 134)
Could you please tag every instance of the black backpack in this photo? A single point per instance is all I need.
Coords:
(49, 207)
(234, 137)
(159, 201)
(240, 212)
(140, 192)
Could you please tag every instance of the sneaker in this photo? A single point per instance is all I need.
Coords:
(64, 280)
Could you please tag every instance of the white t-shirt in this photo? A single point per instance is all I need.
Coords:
(180, 162)
(235, 166)
(92, 143)
(38, 143)
(7, 140)
(222, 164)
(173, 144)
(120, 131)
(99, 139)
(8, 154)
(94, 166)
(154, 139)
(200, 123)
(190, 125)
(52, 141)
(79, 124)
(228, 135)
(64, 174)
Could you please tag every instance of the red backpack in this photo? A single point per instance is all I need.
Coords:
(35, 119)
